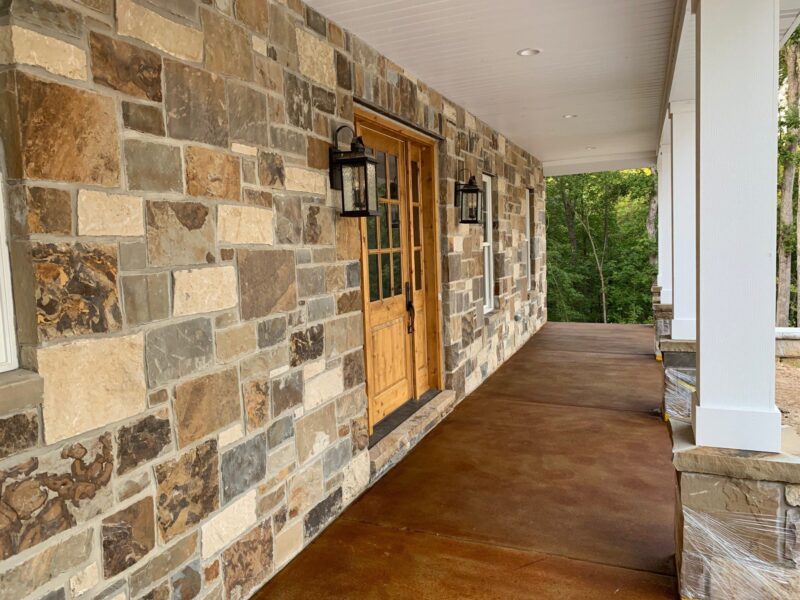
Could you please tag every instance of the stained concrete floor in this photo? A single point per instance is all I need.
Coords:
(551, 481)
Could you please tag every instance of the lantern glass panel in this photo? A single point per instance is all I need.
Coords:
(372, 188)
(470, 207)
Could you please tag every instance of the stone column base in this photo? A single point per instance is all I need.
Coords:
(662, 314)
(737, 519)
(680, 354)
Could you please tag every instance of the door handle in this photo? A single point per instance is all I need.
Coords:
(410, 308)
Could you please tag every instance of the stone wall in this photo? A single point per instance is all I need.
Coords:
(189, 297)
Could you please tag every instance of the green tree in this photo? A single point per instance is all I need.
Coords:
(599, 250)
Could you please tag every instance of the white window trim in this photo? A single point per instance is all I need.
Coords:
(488, 249)
(8, 340)
(528, 238)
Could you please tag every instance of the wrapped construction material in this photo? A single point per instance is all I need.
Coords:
(679, 387)
(736, 556)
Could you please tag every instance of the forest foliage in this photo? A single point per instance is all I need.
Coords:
(601, 246)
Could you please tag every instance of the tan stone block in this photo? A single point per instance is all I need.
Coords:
(228, 525)
(206, 404)
(259, 45)
(211, 173)
(204, 290)
(91, 383)
(322, 388)
(110, 214)
(84, 580)
(306, 489)
(316, 58)
(315, 432)
(305, 180)
(356, 477)
(244, 225)
(244, 149)
(173, 38)
(236, 341)
(24, 579)
(288, 543)
(747, 509)
(793, 494)
(27, 47)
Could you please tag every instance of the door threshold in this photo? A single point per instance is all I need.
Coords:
(398, 416)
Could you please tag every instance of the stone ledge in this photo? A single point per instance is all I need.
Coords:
(20, 389)
(670, 345)
(741, 464)
(662, 311)
(391, 449)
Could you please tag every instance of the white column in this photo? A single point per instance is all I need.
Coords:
(664, 169)
(737, 62)
(684, 250)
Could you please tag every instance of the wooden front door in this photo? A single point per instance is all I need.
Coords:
(395, 257)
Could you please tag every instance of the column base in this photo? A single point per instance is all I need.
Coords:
(740, 429)
(679, 354)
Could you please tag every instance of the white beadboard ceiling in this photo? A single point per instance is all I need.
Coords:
(603, 60)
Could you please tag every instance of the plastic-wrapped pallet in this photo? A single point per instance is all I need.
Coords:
(724, 558)
(679, 387)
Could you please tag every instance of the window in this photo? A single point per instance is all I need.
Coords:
(488, 252)
(529, 233)
(8, 343)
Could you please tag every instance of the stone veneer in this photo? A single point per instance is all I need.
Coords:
(191, 299)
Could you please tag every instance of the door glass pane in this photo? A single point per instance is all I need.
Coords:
(415, 210)
(384, 225)
(393, 189)
(381, 158)
(417, 269)
(374, 288)
(372, 233)
(415, 181)
(394, 210)
(386, 276)
(398, 277)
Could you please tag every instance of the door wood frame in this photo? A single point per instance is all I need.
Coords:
(431, 231)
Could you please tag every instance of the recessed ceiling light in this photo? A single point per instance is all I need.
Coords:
(570, 116)
(529, 52)
(591, 147)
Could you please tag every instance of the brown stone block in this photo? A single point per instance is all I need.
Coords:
(317, 153)
(9, 125)
(318, 227)
(212, 174)
(254, 14)
(67, 134)
(227, 47)
(125, 67)
(247, 563)
(259, 266)
(179, 233)
(271, 170)
(298, 101)
(287, 393)
(47, 15)
(206, 404)
(348, 239)
(256, 403)
(195, 104)
(41, 210)
(188, 489)
(247, 114)
(18, 433)
(127, 536)
(76, 289)
(142, 441)
(143, 117)
(153, 167)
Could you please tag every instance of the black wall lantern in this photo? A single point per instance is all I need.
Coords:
(354, 172)
(469, 198)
